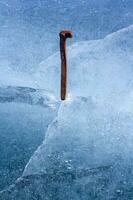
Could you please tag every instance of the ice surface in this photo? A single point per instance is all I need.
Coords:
(101, 69)
(28, 95)
(29, 29)
(94, 130)
(84, 135)
(25, 114)
(87, 151)
(9, 77)
(87, 154)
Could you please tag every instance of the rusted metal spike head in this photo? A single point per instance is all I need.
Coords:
(63, 36)
(66, 34)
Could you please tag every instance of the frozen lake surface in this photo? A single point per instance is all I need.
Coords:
(87, 149)
(79, 149)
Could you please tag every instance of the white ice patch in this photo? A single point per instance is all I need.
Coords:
(102, 69)
(84, 136)
(95, 129)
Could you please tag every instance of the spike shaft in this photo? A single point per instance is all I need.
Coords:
(63, 36)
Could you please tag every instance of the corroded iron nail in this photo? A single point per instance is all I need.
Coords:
(63, 36)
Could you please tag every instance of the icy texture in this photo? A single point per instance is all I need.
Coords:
(28, 95)
(101, 69)
(9, 77)
(84, 136)
(29, 29)
(93, 131)
(25, 114)
(87, 151)
(87, 154)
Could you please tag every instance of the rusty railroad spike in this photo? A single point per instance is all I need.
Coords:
(63, 36)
